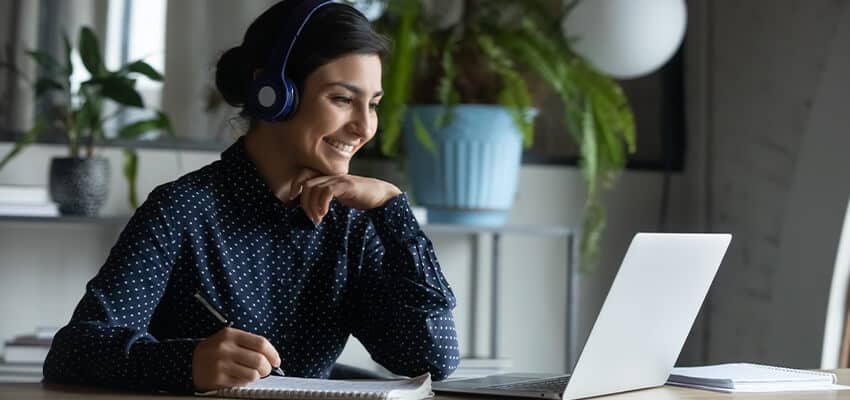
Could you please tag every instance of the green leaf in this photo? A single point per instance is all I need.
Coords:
(27, 139)
(44, 85)
(145, 69)
(591, 236)
(588, 150)
(46, 61)
(87, 116)
(165, 123)
(122, 91)
(131, 172)
(422, 134)
(90, 52)
(69, 63)
(397, 80)
(138, 128)
(447, 95)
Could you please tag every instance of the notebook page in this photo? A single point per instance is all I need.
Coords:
(748, 373)
(287, 385)
(771, 387)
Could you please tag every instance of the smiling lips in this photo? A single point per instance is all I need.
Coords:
(343, 147)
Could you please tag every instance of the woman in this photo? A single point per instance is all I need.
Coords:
(276, 235)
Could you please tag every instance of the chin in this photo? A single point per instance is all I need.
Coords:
(335, 169)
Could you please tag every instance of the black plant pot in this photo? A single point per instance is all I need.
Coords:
(79, 186)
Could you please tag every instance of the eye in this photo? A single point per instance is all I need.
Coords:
(373, 106)
(342, 100)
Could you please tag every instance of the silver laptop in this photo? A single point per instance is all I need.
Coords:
(640, 329)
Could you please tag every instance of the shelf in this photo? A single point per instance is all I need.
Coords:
(67, 219)
(556, 231)
(541, 230)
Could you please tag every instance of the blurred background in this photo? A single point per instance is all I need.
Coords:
(741, 124)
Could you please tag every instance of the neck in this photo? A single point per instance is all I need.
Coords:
(278, 170)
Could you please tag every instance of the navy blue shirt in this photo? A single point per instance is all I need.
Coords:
(221, 231)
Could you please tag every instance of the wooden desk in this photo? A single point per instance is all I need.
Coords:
(37, 391)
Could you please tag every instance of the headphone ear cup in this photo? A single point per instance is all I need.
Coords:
(291, 99)
(267, 99)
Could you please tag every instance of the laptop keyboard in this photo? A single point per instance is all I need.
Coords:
(556, 384)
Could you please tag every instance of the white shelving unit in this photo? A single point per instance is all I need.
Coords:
(496, 233)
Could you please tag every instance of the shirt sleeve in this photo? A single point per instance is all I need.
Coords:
(107, 342)
(404, 305)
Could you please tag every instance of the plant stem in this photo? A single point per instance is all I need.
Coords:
(90, 144)
(68, 124)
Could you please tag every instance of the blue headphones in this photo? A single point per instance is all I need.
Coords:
(273, 96)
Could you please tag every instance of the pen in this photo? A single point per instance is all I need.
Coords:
(217, 315)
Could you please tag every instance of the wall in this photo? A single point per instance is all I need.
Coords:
(774, 89)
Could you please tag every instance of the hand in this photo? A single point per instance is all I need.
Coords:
(350, 190)
(232, 357)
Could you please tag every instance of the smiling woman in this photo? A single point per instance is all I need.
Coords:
(296, 252)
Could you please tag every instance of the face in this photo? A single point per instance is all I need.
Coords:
(337, 114)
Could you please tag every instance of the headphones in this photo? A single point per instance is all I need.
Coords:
(273, 96)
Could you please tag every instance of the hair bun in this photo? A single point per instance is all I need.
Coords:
(232, 76)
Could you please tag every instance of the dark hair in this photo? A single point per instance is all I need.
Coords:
(333, 31)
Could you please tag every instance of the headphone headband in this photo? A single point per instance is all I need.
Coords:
(273, 95)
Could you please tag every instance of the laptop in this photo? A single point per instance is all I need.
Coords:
(641, 327)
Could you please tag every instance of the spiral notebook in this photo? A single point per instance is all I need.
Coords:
(276, 387)
(746, 377)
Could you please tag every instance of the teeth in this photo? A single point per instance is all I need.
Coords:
(344, 147)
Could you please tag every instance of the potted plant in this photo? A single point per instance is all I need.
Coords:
(458, 92)
(78, 183)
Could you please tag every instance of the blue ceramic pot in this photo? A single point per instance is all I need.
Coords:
(471, 177)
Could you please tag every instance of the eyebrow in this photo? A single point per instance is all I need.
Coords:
(354, 89)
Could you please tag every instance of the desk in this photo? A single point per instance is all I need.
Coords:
(37, 391)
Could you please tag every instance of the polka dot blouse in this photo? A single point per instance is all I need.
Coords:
(221, 231)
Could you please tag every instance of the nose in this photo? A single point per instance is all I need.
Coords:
(361, 122)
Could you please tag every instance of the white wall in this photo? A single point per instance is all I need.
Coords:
(775, 90)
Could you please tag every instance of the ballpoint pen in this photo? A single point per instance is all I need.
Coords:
(220, 317)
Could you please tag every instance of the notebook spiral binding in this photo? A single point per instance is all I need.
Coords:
(793, 370)
(260, 393)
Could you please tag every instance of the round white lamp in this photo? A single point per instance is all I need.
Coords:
(626, 38)
(371, 9)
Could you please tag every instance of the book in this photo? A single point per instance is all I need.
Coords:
(33, 210)
(27, 349)
(20, 372)
(479, 367)
(20, 368)
(746, 377)
(23, 194)
(277, 387)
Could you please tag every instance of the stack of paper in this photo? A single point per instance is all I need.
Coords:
(745, 377)
(26, 200)
(478, 367)
(23, 356)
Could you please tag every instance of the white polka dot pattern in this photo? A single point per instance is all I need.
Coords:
(221, 231)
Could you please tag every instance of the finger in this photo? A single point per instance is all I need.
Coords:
(259, 344)
(300, 178)
(340, 189)
(309, 193)
(304, 200)
(319, 196)
(240, 375)
(253, 360)
(325, 194)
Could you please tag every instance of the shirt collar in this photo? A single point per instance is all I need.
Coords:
(245, 181)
